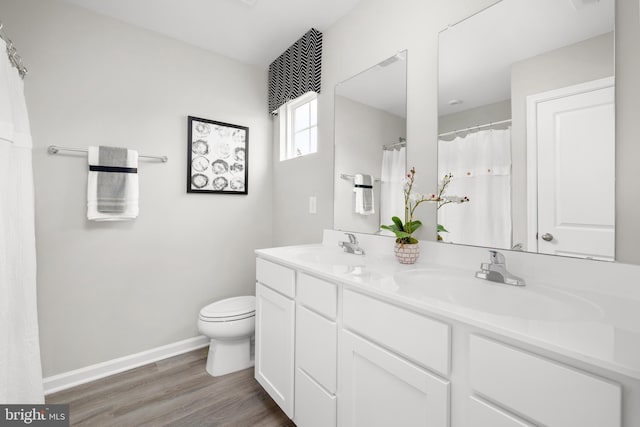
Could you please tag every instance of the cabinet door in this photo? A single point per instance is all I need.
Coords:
(274, 368)
(316, 340)
(379, 388)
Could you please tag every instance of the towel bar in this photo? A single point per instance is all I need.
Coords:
(54, 149)
(348, 177)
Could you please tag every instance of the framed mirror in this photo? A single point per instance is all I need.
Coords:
(527, 127)
(370, 145)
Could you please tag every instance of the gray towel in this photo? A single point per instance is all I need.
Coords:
(363, 189)
(367, 193)
(111, 185)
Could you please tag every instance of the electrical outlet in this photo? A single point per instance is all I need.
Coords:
(313, 205)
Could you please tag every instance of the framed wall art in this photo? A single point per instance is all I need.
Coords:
(217, 157)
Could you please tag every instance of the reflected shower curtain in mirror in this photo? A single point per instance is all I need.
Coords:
(394, 167)
(481, 166)
(20, 369)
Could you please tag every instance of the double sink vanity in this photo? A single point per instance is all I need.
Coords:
(361, 340)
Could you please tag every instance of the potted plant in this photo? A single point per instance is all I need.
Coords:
(407, 248)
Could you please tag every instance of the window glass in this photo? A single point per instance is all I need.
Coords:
(301, 120)
(299, 127)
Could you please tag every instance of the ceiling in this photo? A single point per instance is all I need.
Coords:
(251, 31)
(383, 86)
(476, 55)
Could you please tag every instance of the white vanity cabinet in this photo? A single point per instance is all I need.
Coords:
(275, 323)
(333, 352)
(382, 379)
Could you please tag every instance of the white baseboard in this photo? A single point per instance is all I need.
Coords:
(76, 377)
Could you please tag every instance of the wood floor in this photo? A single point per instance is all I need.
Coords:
(172, 392)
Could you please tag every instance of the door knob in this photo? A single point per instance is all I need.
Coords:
(547, 237)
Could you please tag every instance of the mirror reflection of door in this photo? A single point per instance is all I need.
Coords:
(571, 137)
(489, 65)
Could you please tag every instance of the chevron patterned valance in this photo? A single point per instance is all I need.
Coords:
(296, 71)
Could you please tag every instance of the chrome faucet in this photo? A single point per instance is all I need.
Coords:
(496, 271)
(351, 246)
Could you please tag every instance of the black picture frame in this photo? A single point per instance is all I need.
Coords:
(217, 157)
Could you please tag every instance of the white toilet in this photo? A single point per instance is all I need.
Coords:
(230, 323)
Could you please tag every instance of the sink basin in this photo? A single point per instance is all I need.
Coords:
(333, 259)
(529, 302)
(330, 257)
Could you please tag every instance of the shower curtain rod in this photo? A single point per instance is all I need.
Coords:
(12, 52)
(475, 127)
(351, 177)
(54, 149)
(394, 145)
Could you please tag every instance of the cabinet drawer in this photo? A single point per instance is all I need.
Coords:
(421, 339)
(483, 414)
(316, 342)
(544, 391)
(277, 277)
(318, 295)
(314, 406)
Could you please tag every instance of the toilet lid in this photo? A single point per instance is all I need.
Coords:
(236, 306)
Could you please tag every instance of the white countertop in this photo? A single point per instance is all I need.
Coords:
(596, 328)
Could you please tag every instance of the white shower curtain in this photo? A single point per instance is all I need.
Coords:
(394, 166)
(20, 369)
(481, 166)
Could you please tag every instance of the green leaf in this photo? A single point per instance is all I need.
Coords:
(412, 226)
(441, 229)
(398, 222)
(391, 227)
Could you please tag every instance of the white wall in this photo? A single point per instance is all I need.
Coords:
(361, 132)
(627, 131)
(107, 290)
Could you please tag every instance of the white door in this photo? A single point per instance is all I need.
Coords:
(274, 346)
(572, 131)
(379, 388)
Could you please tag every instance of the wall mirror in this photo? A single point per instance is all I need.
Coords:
(526, 123)
(370, 145)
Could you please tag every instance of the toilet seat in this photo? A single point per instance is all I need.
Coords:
(229, 309)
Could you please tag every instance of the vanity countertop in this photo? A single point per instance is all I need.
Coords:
(600, 329)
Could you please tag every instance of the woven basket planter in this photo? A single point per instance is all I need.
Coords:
(407, 253)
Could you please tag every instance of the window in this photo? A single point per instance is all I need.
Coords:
(299, 126)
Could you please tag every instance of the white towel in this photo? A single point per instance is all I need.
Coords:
(364, 204)
(131, 190)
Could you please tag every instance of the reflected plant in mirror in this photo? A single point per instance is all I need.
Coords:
(527, 126)
(444, 199)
